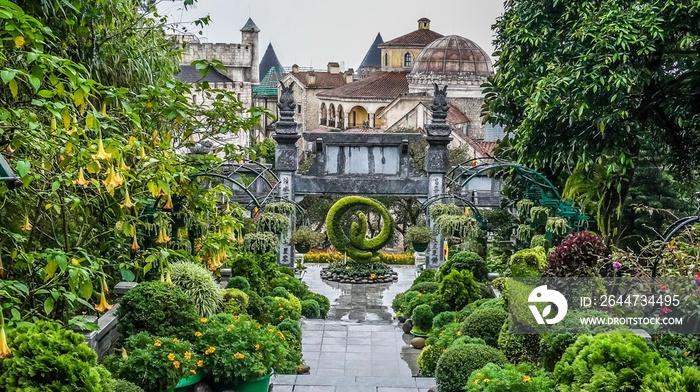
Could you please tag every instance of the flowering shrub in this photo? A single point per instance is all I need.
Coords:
(155, 363)
(237, 348)
(405, 258)
(522, 378)
(457, 363)
(235, 301)
(322, 257)
(46, 357)
(280, 309)
(578, 254)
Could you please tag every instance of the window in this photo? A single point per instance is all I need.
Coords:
(299, 109)
(407, 60)
(386, 59)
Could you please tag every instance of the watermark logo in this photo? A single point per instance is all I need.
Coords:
(542, 294)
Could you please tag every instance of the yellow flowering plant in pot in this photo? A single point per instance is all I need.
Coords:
(238, 351)
(156, 363)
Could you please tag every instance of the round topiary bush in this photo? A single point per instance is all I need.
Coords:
(614, 362)
(422, 317)
(257, 307)
(158, 308)
(462, 261)
(280, 292)
(457, 363)
(444, 318)
(481, 303)
(199, 284)
(458, 289)
(425, 276)
(467, 340)
(235, 301)
(428, 359)
(280, 309)
(425, 287)
(485, 323)
(323, 303)
(47, 357)
(519, 347)
(125, 386)
(292, 284)
(291, 326)
(238, 282)
(528, 263)
(310, 309)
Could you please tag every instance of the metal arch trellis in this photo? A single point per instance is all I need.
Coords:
(425, 206)
(674, 229)
(541, 190)
(229, 172)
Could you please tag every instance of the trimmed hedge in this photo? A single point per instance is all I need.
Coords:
(485, 323)
(457, 363)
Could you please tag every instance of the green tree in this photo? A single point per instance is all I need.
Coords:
(585, 85)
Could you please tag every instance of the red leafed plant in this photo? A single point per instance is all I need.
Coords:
(578, 254)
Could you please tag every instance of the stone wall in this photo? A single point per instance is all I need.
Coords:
(471, 107)
(231, 55)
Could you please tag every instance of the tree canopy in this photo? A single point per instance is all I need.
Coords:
(586, 86)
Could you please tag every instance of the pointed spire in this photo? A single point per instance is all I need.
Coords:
(269, 61)
(250, 27)
(373, 58)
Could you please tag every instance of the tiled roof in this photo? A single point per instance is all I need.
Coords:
(323, 79)
(268, 85)
(373, 58)
(268, 61)
(455, 117)
(381, 85)
(418, 38)
(190, 74)
(250, 27)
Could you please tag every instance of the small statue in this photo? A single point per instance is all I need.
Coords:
(439, 106)
(286, 102)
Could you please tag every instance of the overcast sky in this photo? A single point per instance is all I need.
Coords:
(314, 32)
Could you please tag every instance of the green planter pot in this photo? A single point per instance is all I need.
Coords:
(420, 247)
(302, 248)
(185, 385)
(261, 384)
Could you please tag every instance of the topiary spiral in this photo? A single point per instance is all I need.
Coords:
(357, 246)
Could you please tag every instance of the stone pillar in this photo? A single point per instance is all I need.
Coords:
(286, 164)
(371, 120)
(437, 165)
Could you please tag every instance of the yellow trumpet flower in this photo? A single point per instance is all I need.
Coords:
(101, 153)
(142, 153)
(103, 111)
(4, 348)
(9, 149)
(19, 42)
(123, 166)
(103, 306)
(134, 244)
(167, 278)
(105, 287)
(113, 178)
(26, 226)
(81, 179)
(127, 201)
(162, 236)
(168, 203)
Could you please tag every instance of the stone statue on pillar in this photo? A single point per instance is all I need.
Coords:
(437, 164)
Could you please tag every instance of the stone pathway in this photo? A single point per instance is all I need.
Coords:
(359, 346)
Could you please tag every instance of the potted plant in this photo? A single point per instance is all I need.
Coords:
(157, 363)
(260, 243)
(419, 237)
(305, 238)
(239, 353)
(273, 222)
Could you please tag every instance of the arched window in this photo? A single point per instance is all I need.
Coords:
(386, 59)
(407, 60)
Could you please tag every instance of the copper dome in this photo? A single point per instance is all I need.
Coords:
(451, 56)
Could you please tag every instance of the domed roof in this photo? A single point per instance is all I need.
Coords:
(451, 56)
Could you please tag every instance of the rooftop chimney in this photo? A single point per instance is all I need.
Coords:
(333, 68)
(349, 76)
(423, 24)
(311, 78)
